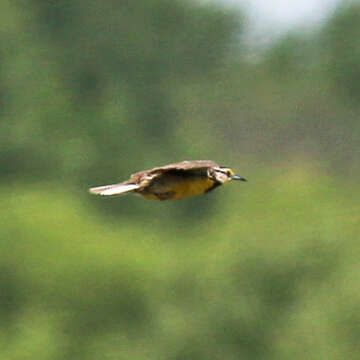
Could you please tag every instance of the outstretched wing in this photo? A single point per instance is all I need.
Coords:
(183, 165)
(144, 178)
(187, 165)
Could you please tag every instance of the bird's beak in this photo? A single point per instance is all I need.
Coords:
(237, 177)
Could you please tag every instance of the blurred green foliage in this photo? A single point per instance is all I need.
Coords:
(90, 92)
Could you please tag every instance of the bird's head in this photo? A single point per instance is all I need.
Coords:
(223, 175)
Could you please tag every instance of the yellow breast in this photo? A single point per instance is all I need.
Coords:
(191, 187)
(183, 189)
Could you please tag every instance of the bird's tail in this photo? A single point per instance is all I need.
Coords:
(115, 189)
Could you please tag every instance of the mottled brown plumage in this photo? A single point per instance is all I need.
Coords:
(172, 182)
(185, 166)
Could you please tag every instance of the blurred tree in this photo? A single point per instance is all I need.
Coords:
(91, 91)
(88, 85)
(341, 39)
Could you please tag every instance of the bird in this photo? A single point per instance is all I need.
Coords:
(173, 182)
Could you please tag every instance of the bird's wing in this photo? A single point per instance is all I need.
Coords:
(114, 189)
(185, 165)
(144, 178)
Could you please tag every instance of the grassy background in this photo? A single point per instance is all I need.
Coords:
(274, 274)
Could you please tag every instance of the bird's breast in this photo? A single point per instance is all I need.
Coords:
(177, 186)
(191, 188)
(178, 190)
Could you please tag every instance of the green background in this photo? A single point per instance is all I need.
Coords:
(92, 91)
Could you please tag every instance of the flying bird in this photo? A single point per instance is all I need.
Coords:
(173, 182)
